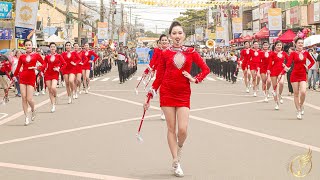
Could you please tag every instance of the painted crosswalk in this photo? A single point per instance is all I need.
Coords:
(137, 78)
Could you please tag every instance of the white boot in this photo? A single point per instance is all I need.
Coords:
(26, 121)
(69, 100)
(53, 109)
(178, 172)
(277, 106)
(299, 116)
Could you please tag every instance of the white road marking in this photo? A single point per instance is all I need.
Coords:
(210, 79)
(18, 114)
(3, 115)
(226, 105)
(255, 133)
(105, 79)
(306, 104)
(73, 130)
(115, 79)
(62, 171)
(95, 79)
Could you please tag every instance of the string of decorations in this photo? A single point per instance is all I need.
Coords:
(204, 3)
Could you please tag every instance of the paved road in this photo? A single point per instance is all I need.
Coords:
(232, 135)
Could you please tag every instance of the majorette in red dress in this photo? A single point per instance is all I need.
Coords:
(276, 62)
(88, 54)
(299, 69)
(69, 57)
(84, 60)
(175, 87)
(28, 76)
(255, 59)
(265, 58)
(53, 61)
(5, 66)
(245, 58)
(154, 62)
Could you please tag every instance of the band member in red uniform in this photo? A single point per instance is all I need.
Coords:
(54, 62)
(163, 44)
(86, 67)
(254, 65)
(27, 78)
(276, 71)
(174, 78)
(72, 59)
(298, 76)
(244, 60)
(79, 68)
(5, 68)
(265, 58)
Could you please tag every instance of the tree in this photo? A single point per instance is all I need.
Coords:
(192, 18)
(151, 34)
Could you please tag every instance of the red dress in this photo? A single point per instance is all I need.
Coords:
(245, 58)
(89, 54)
(299, 72)
(28, 76)
(265, 58)
(5, 66)
(53, 61)
(255, 59)
(276, 63)
(154, 62)
(175, 88)
(84, 60)
(70, 57)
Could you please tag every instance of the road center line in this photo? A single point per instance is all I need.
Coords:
(62, 171)
(3, 115)
(255, 133)
(74, 130)
(18, 114)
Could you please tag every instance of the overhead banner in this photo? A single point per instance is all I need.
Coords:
(220, 36)
(102, 30)
(225, 25)
(26, 17)
(275, 23)
(237, 27)
(5, 10)
(199, 34)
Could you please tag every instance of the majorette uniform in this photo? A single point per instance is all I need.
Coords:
(175, 87)
(84, 60)
(53, 61)
(255, 59)
(245, 56)
(89, 54)
(276, 63)
(5, 66)
(154, 62)
(69, 57)
(265, 58)
(299, 70)
(28, 76)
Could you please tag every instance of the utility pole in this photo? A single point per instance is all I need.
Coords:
(156, 29)
(102, 11)
(68, 21)
(79, 24)
(112, 18)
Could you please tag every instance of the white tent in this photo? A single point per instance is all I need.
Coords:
(312, 40)
(54, 38)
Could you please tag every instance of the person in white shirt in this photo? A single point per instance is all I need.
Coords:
(313, 71)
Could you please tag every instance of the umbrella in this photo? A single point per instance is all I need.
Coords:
(312, 40)
(54, 38)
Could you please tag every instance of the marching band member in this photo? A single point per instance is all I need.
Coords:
(265, 58)
(254, 64)
(174, 78)
(54, 62)
(87, 66)
(244, 60)
(27, 78)
(275, 69)
(72, 59)
(298, 76)
(79, 67)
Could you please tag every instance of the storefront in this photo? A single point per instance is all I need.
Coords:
(6, 26)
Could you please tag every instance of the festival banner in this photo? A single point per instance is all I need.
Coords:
(237, 27)
(220, 36)
(225, 25)
(6, 33)
(143, 55)
(102, 30)
(5, 10)
(26, 17)
(275, 23)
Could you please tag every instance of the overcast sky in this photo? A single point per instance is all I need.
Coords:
(150, 16)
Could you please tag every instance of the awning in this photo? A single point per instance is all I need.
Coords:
(287, 37)
(54, 38)
(262, 34)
